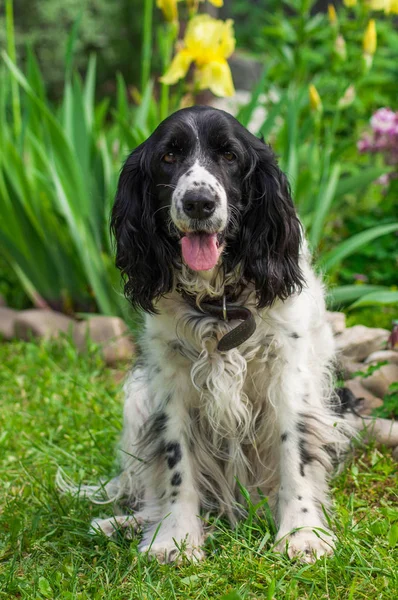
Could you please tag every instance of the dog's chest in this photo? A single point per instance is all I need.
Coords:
(190, 344)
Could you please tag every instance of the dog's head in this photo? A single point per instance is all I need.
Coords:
(204, 191)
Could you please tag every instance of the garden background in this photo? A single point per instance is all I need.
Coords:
(82, 83)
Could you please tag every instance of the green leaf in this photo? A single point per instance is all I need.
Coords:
(323, 203)
(70, 46)
(377, 298)
(356, 182)
(89, 90)
(245, 113)
(393, 535)
(45, 587)
(347, 293)
(272, 115)
(335, 256)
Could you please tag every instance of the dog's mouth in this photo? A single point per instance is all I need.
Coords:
(201, 250)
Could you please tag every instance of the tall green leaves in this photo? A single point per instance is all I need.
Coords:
(55, 184)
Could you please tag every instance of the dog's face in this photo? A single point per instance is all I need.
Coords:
(199, 164)
(204, 191)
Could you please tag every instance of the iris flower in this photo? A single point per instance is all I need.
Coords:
(170, 10)
(389, 6)
(208, 43)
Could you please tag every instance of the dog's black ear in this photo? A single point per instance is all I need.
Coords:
(270, 233)
(144, 253)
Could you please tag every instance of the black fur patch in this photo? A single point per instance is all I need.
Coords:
(284, 437)
(173, 454)
(302, 427)
(159, 423)
(176, 480)
(305, 456)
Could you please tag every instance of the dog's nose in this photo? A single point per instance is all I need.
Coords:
(198, 206)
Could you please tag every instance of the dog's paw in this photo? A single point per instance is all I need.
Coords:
(109, 527)
(167, 552)
(306, 544)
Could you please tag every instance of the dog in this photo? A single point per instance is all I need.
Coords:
(234, 385)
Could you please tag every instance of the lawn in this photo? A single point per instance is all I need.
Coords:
(59, 409)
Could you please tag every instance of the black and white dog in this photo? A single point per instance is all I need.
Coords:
(234, 386)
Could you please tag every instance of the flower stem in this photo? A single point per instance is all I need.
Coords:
(146, 44)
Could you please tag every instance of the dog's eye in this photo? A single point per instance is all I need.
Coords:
(229, 156)
(169, 158)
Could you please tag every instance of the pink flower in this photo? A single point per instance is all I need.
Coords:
(360, 277)
(383, 139)
(384, 120)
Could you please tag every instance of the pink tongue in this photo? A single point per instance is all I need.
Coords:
(200, 250)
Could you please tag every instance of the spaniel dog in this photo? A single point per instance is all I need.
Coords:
(233, 389)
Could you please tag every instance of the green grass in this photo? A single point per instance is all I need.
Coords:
(58, 409)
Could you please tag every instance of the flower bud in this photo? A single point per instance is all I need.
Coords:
(370, 38)
(332, 14)
(340, 47)
(315, 99)
(347, 98)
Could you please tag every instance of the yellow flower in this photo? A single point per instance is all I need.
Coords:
(193, 4)
(208, 43)
(349, 3)
(332, 14)
(389, 6)
(370, 38)
(315, 99)
(169, 9)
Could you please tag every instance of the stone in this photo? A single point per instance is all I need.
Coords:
(369, 402)
(41, 323)
(378, 382)
(7, 321)
(337, 321)
(356, 343)
(395, 453)
(390, 356)
(111, 333)
(384, 431)
(347, 368)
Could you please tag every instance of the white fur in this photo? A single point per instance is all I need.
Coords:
(198, 178)
(227, 412)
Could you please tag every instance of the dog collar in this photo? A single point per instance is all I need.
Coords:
(227, 311)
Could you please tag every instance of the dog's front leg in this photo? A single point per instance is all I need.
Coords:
(179, 529)
(303, 468)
